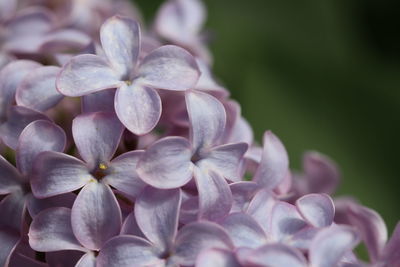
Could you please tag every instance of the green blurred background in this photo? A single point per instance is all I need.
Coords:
(323, 75)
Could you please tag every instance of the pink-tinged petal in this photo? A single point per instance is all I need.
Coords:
(303, 238)
(38, 136)
(166, 163)
(130, 226)
(51, 230)
(331, 244)
(242, 193)
(285, 221)
(244, 230)
(216, 257)
(274, 165)
(322, 174)
(391, 253)
(36, 205)
(207, 118)
(38, 89)
(156, 213)
(85, 74)
(18, 118)
(120, 38)
(10, 178)
(10, 78)
(99, 101)
(9, 241)
(198, 236)
(96, 215)
(242, 132)
(273, 255)
(12, 210)
(87, 260)
(316, 209)
(57, 173)
(169, 67)
(225, 160)
(138, 107)
(371, 227)
(215, 196)
(127, 251)
(260, 208)
(180, 20)
(122, 175)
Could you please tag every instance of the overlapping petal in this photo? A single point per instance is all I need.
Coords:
(317, 209)
(10, 178)
(215, 257)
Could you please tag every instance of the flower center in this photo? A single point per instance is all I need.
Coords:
(128, 82)
(100, 172)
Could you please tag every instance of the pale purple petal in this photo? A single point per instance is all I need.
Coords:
(138, 107)
(331, 244)
(242, 194)
(225, 160)
(207, 118)
(85, 74)
(120, 38)
(391, 253)
(36, 205)
(12, 210)
(166, 163)
(9, 241)
(244, 230)
(169, 67)
(127, 251)
(130, 226)
(303, 238)
(51, 231)
(156, 213)
(18, 118)
(207, 83)
(274, 255)
(99, 101)
(38, 136)
(38, 89)
(316, 209)
(10, 78)
(96, 215)
(215, 196)
(122, 175)
(322, 174)
(242, 132)
(285, 221)
(64, 40)
(260, 208)
(97, 136)
(9, 178)
(274, 162)
(198, 236)
(216, 257)
(87, 260)
(57, 173)
(371, 227)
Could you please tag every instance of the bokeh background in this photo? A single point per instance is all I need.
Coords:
(323, 75)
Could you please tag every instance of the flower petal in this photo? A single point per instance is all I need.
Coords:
(242, 193)
(331, 244)
(274, 255)
(126, 251)
(122, 174)
(274, 165)
(85, 74)
(207, 118)
(216, 257)
(198, 236)
(87, 260)
(9, 241)
(96, 215)
(317, 209)
(166, 163)
(18, 118)
(10, 77)
(260, 208)
(12, 210)
(371, 227)
(215, 196)
(120, 38)
(57, 173)
(156, 213)
(130, 226)
(97, 136)
(38, 89)
(36, 205)
(51, 230)
(38, 136)
(244, 230)
(138, 107)
(391, 252)
(99, 101)
(9, 178)
(169, 67)
(225, 160)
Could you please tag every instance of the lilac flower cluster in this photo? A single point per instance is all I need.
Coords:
(120, 149)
